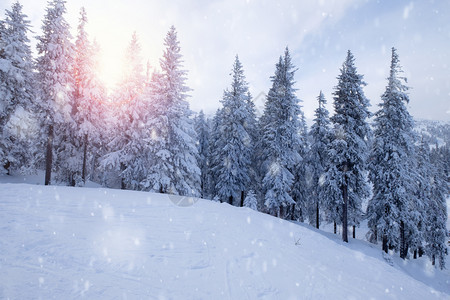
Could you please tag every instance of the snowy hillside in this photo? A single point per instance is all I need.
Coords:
(67, 243)
(435, 132)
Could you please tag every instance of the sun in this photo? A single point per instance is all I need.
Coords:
(109, 69)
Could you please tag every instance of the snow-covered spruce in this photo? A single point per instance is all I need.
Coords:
(431, 215)
(202, 129)
(391, 211)
(215, 144)
(18, 126)
(89, 96)
(235, 144)
(345, 184)
(55, 102)
(172, 152)
(280, 141)
(318, 160)
(250, 200)
(126, 156)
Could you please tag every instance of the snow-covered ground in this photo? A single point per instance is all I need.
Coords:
(70, 243)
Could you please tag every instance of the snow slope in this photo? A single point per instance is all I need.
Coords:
(69, 243)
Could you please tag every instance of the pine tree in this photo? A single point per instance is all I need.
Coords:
(202, 130)
(173, 153)
(318, 159)
(346, 181)
(17, 146)
(215, 145)
(392, 165)
(251, 127)
(234, 171)
(280, 142)
(435, 231)
(300, 189)
(129, 114)
(89, 94)
(251, 201)
(56, 85)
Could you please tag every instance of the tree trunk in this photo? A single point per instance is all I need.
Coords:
(242, 198)
(433, 259)
(385, 245)
(421, 252)
(230, 200)
(344, 211)
(402, 240)
(6, 166)
(49, 156)
(83, 171)
(293, 212)
(122, 180)
(317, 214)
(354, 231)
(415, 254)
(335, 227)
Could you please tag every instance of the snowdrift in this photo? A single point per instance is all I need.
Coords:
(69, 243)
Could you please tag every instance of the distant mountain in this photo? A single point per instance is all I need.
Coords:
(435, 132)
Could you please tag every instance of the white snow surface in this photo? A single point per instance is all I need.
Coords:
(70, 243)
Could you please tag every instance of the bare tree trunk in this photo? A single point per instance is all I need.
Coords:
(242, 198)
(83, 171)
(385, 245)
(292, 212)
(344, 211)
(6, 166)
(335, 227)
(421, 252)
(403, 250)
(122, 180)
(230, 200)
(354, 231)
(49, 156)
(317, 214)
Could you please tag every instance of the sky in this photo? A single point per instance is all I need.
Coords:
(318, 34)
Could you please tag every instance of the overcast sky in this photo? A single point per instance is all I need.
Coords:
(318, 33)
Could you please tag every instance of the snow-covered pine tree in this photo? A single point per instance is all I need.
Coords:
(300, 189)
(414, 226)
(17, 93)
(392, 164)
(214, 146)
(234, 171)
(251, 126)
(280, 142)
(129, 112)
(173, 153)
(318, 159)
(89, 94)
(348, 149)
(55, 52)
(435, 222)
(251, 201)
(202, 130)
(2, 32)
(440, 158)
